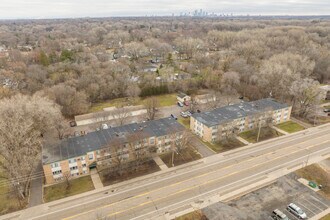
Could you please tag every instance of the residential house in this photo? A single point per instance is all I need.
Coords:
(215, 125)
(76, 156)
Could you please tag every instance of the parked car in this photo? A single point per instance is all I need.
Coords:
(278, 215)
(105, 126)
(198, 111)
(184, 114)
(173, 116)
(73, 124)
(180, 104)
(296, 211)
(188, 113)
(241, 97)
(326, 110)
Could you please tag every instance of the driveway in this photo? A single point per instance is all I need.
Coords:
(201, 147)
(36, 187)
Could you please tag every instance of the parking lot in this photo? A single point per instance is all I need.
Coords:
(310, 204)
(260, 203)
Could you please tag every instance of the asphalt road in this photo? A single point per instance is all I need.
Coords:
(222, 174)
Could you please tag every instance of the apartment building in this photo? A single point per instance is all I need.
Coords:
(214, 125)
(76, 156)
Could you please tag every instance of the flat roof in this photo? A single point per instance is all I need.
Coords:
(80, 146)
(231, 112)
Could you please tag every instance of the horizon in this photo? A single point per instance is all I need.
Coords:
(61, 9)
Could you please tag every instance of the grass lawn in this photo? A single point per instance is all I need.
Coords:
(164, 100)
(9, 201)
(187, 155)
(290, 127)
(184, 121)
(112, 178)
(59, 191)
(225, 145)
(327, 217)
(318, 175)
(265, 134)
(196, 215)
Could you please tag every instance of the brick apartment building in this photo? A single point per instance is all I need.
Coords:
(213, 125)
(76, 156)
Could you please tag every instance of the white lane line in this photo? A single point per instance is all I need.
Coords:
(192, 198)
(304, 207)
(170, 177)
(306, 200)
(319, 201)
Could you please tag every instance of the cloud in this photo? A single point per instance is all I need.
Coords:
(99, 8)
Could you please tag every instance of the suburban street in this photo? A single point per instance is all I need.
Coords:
(162, 194)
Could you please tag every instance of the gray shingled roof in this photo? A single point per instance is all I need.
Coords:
(228, 113)
(79, 146)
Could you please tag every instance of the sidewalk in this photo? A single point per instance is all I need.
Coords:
(96, 179)
(36, 187)
(160, 163)
(304, 124)
(279, 130)
(243, 140)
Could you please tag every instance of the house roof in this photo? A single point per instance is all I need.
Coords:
(231, 112)
(182, 95)
(79, 146)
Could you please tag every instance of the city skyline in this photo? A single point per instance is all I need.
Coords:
(19, 9)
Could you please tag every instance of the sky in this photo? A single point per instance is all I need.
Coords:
(13, 9)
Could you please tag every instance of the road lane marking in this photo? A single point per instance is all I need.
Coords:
(304, 207)
(254, 149)
(137, 196)
(313, 205)
(319, 201)
(214, 190)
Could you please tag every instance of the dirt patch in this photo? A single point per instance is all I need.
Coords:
(184, 156)
(109, 178)
(318, 175)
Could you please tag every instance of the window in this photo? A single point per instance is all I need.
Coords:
(97, 152)
(152, 140)
(53, 165)
(57, 172)
(84, 165)
(72, 160)
(83, 158)
(91, 156)
(74, 168)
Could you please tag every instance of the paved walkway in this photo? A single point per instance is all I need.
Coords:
(36, 187)
(204, 150)
(304, 124)
(160, 163)
(96, 179)
(243, 140)
(279, 130)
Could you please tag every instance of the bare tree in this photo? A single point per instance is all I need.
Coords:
(151, 104)
(23, 122)
(121, 115)
(67, 177)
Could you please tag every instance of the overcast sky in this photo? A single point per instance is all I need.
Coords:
(107, 8)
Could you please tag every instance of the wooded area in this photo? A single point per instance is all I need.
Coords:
(82, 61)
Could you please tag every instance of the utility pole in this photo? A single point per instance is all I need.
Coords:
(259, 131)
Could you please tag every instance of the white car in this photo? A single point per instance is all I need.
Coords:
(297, 211)
(184, 115)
